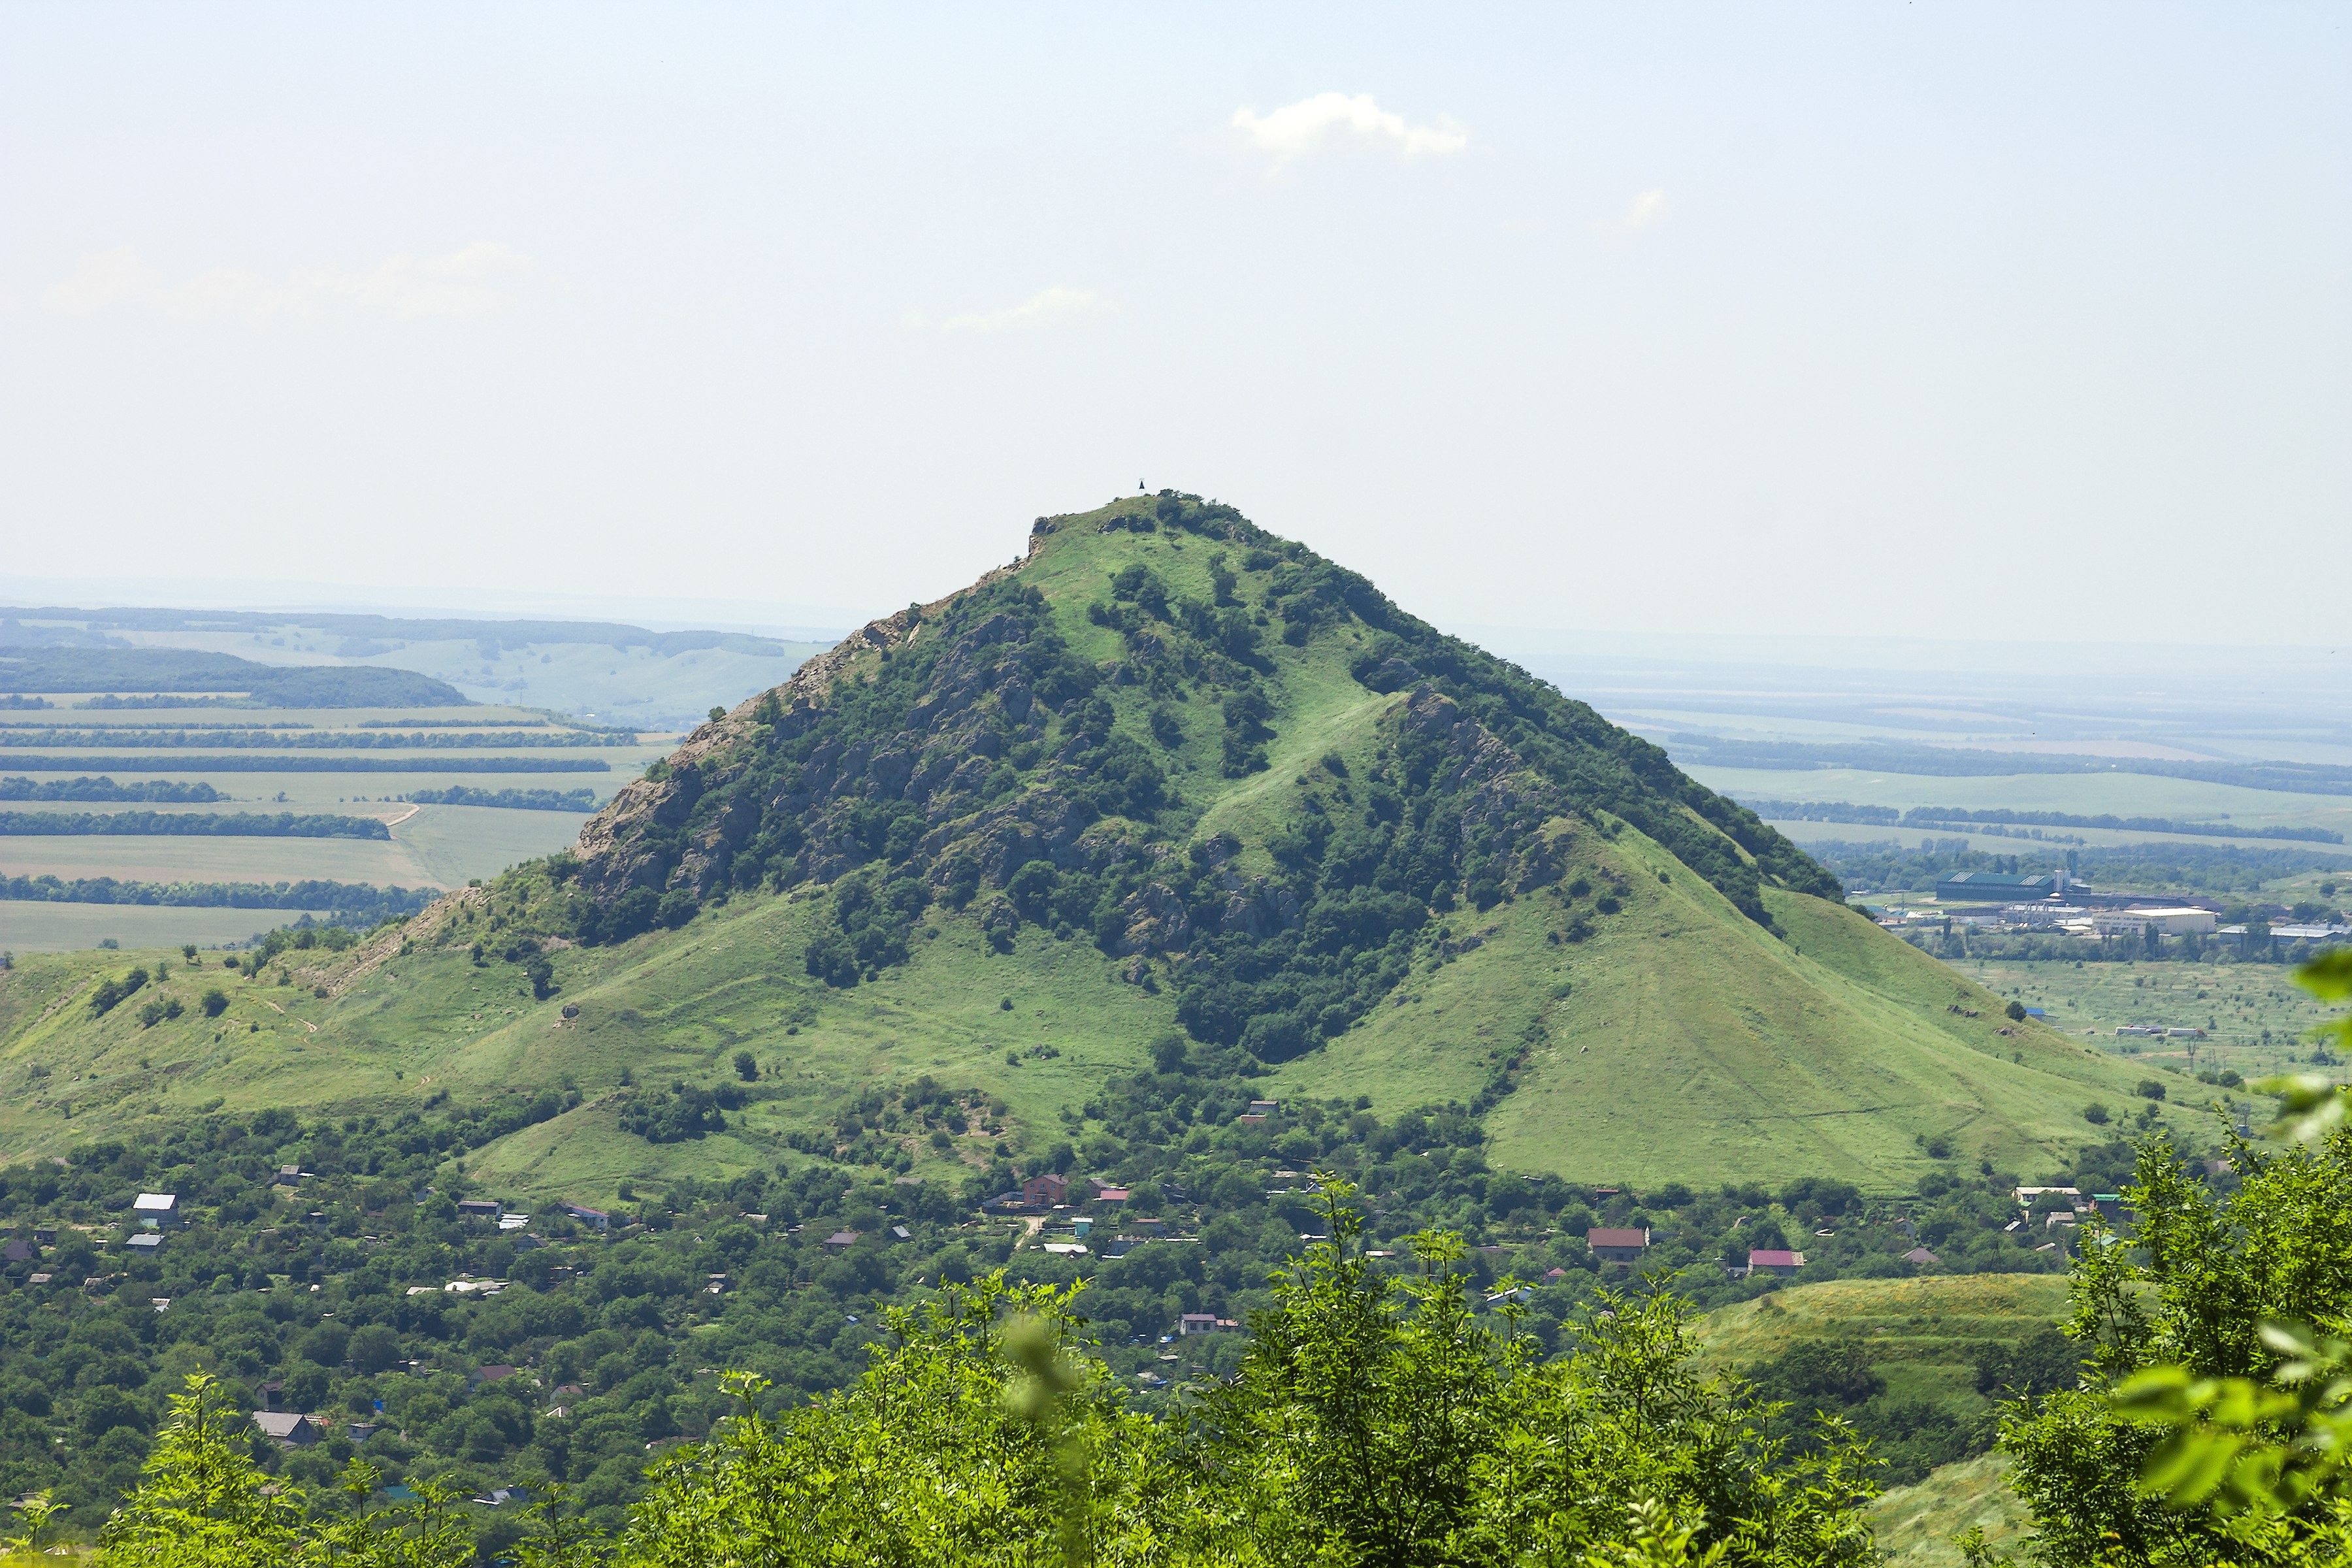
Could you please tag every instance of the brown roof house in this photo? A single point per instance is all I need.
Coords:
(1617, 1244)
(1774, 1261)
(1045, 1189)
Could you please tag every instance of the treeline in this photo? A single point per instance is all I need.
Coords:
(348, 900)
(510, 799)
(463, 724)
(152, 791)
(1888, 866)
(158, 699)
(335, 740)
(1949, 816)
(191, 824)
(1957, 762)
(285, 765)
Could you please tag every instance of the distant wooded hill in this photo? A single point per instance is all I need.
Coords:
(33, 670)
(396, 628)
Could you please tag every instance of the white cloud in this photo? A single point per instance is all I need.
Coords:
(101, 278)
(468, 282)
(1330, 120)
(1640, 213)
(1041, 307)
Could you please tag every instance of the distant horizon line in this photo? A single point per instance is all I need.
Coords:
(805, 622)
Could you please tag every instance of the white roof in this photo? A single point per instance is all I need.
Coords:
(276, 1423)
(148, 1240)
(155, 1203)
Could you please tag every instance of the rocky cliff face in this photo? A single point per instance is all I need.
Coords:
(943, 757)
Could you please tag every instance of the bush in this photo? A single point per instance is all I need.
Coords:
(2096, 1114)
(683, 1111)
(215, 1002)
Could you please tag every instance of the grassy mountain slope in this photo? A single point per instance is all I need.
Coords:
(1167, 775)
(1920, 1335)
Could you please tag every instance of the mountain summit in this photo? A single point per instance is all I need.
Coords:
(1171, 783)
(1224, 761)
(1168, 814)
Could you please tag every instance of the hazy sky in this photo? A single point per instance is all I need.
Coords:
(1973, 319)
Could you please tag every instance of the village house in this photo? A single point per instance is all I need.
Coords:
(286, 1428)
(1617, 1244)
(1045, 1189)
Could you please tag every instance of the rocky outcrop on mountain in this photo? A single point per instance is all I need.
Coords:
(1158, 795)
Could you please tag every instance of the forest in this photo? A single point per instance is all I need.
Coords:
(1381, 1410)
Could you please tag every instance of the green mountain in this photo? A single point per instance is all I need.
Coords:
(1169, 793)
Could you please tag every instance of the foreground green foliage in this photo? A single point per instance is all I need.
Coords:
(2212, 1428)
(1377, 1420)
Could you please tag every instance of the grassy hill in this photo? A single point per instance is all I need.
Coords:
(1168, 776)
(1921, 1335)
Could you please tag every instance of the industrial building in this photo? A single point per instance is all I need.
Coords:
(1994, 887)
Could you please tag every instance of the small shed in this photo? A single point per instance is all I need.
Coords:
(1774, 1261)
(1922, 1257)
(841, 1240)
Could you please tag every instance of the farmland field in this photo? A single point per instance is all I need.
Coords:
(2255, 1013)
(330, 791)
(27, 927)
(2124, 794)
(183, 859)
(431, 845)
